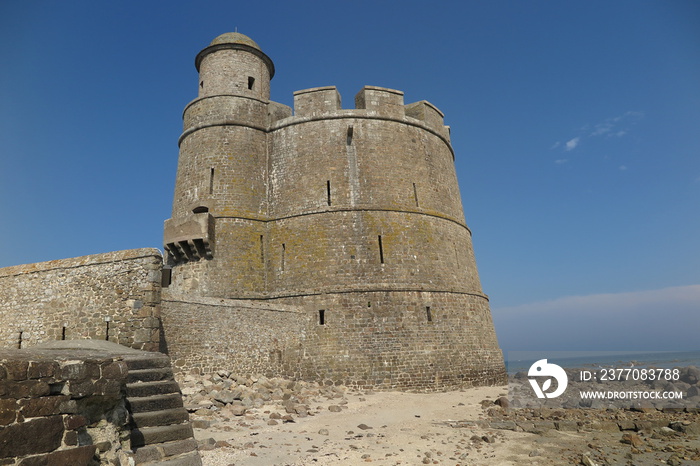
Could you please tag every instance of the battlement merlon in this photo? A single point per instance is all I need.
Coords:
(373, 101)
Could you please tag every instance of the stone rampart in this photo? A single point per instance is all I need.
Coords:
(113, 296)
(245, 337)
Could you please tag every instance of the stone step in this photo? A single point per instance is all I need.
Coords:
(160, 418)
(187, 459)
(149, 375)
(147, 362)
(157, 387)
(154, 403)
(159, 434)
(152, 454)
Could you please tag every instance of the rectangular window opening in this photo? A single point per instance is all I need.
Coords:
(63, 332)
(251, 82)
(428, 313)
(415, 194)
(381, 250)
(19, 342)
(328, 191)
(349, 136)
(211, 180)
(322, 317)
(166, 277)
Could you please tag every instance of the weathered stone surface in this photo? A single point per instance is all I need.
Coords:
(33, 436)
(16, 369)
(74, 421)
(8, 410)
(40, 369)
(44, 406)
(80, 456)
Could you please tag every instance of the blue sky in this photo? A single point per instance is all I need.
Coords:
(575, 127)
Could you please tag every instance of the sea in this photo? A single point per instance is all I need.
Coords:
(517, 361)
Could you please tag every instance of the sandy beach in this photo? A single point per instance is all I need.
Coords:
(312, 425)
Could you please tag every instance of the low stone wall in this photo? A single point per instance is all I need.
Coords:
(113, 296)
(61, 409)
(246, 337)
(395, 344)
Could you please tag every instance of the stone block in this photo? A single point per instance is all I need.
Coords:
(114, 370)
(107, 387)
(74, 422)
(81, 389)
(16, 370)
(80, 456)
(24, 388)
(38, 370)
(39, 435)
(76, 371)
(8, 411)
(44, 406)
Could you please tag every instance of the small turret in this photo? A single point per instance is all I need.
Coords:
(234, 64)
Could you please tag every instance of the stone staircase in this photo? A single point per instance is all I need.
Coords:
(161, 433)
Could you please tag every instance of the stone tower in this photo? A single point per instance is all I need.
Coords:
(352, 215)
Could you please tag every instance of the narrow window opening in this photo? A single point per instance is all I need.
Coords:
(201, 84)
(349, 138)
(108, 319)
(428, 313)
(328, 191)
(415, 194)
(262, 249)
(19, 342)
(211, 180)
(284, 250)
(322, 317)
(251, 82)
(63, 332)
(369, 303)
(381, 250)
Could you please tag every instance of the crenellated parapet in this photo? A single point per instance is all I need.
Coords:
(370, 102)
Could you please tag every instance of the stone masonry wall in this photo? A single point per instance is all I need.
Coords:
(407, 340)
(245, 337)
(383, 340)
(114, 296)
(55, 410)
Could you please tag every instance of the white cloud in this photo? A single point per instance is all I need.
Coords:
(571, 144)
(652, 320)
(618, 126)
(561, 161)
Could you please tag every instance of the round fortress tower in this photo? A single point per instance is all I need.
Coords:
(352, 216)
